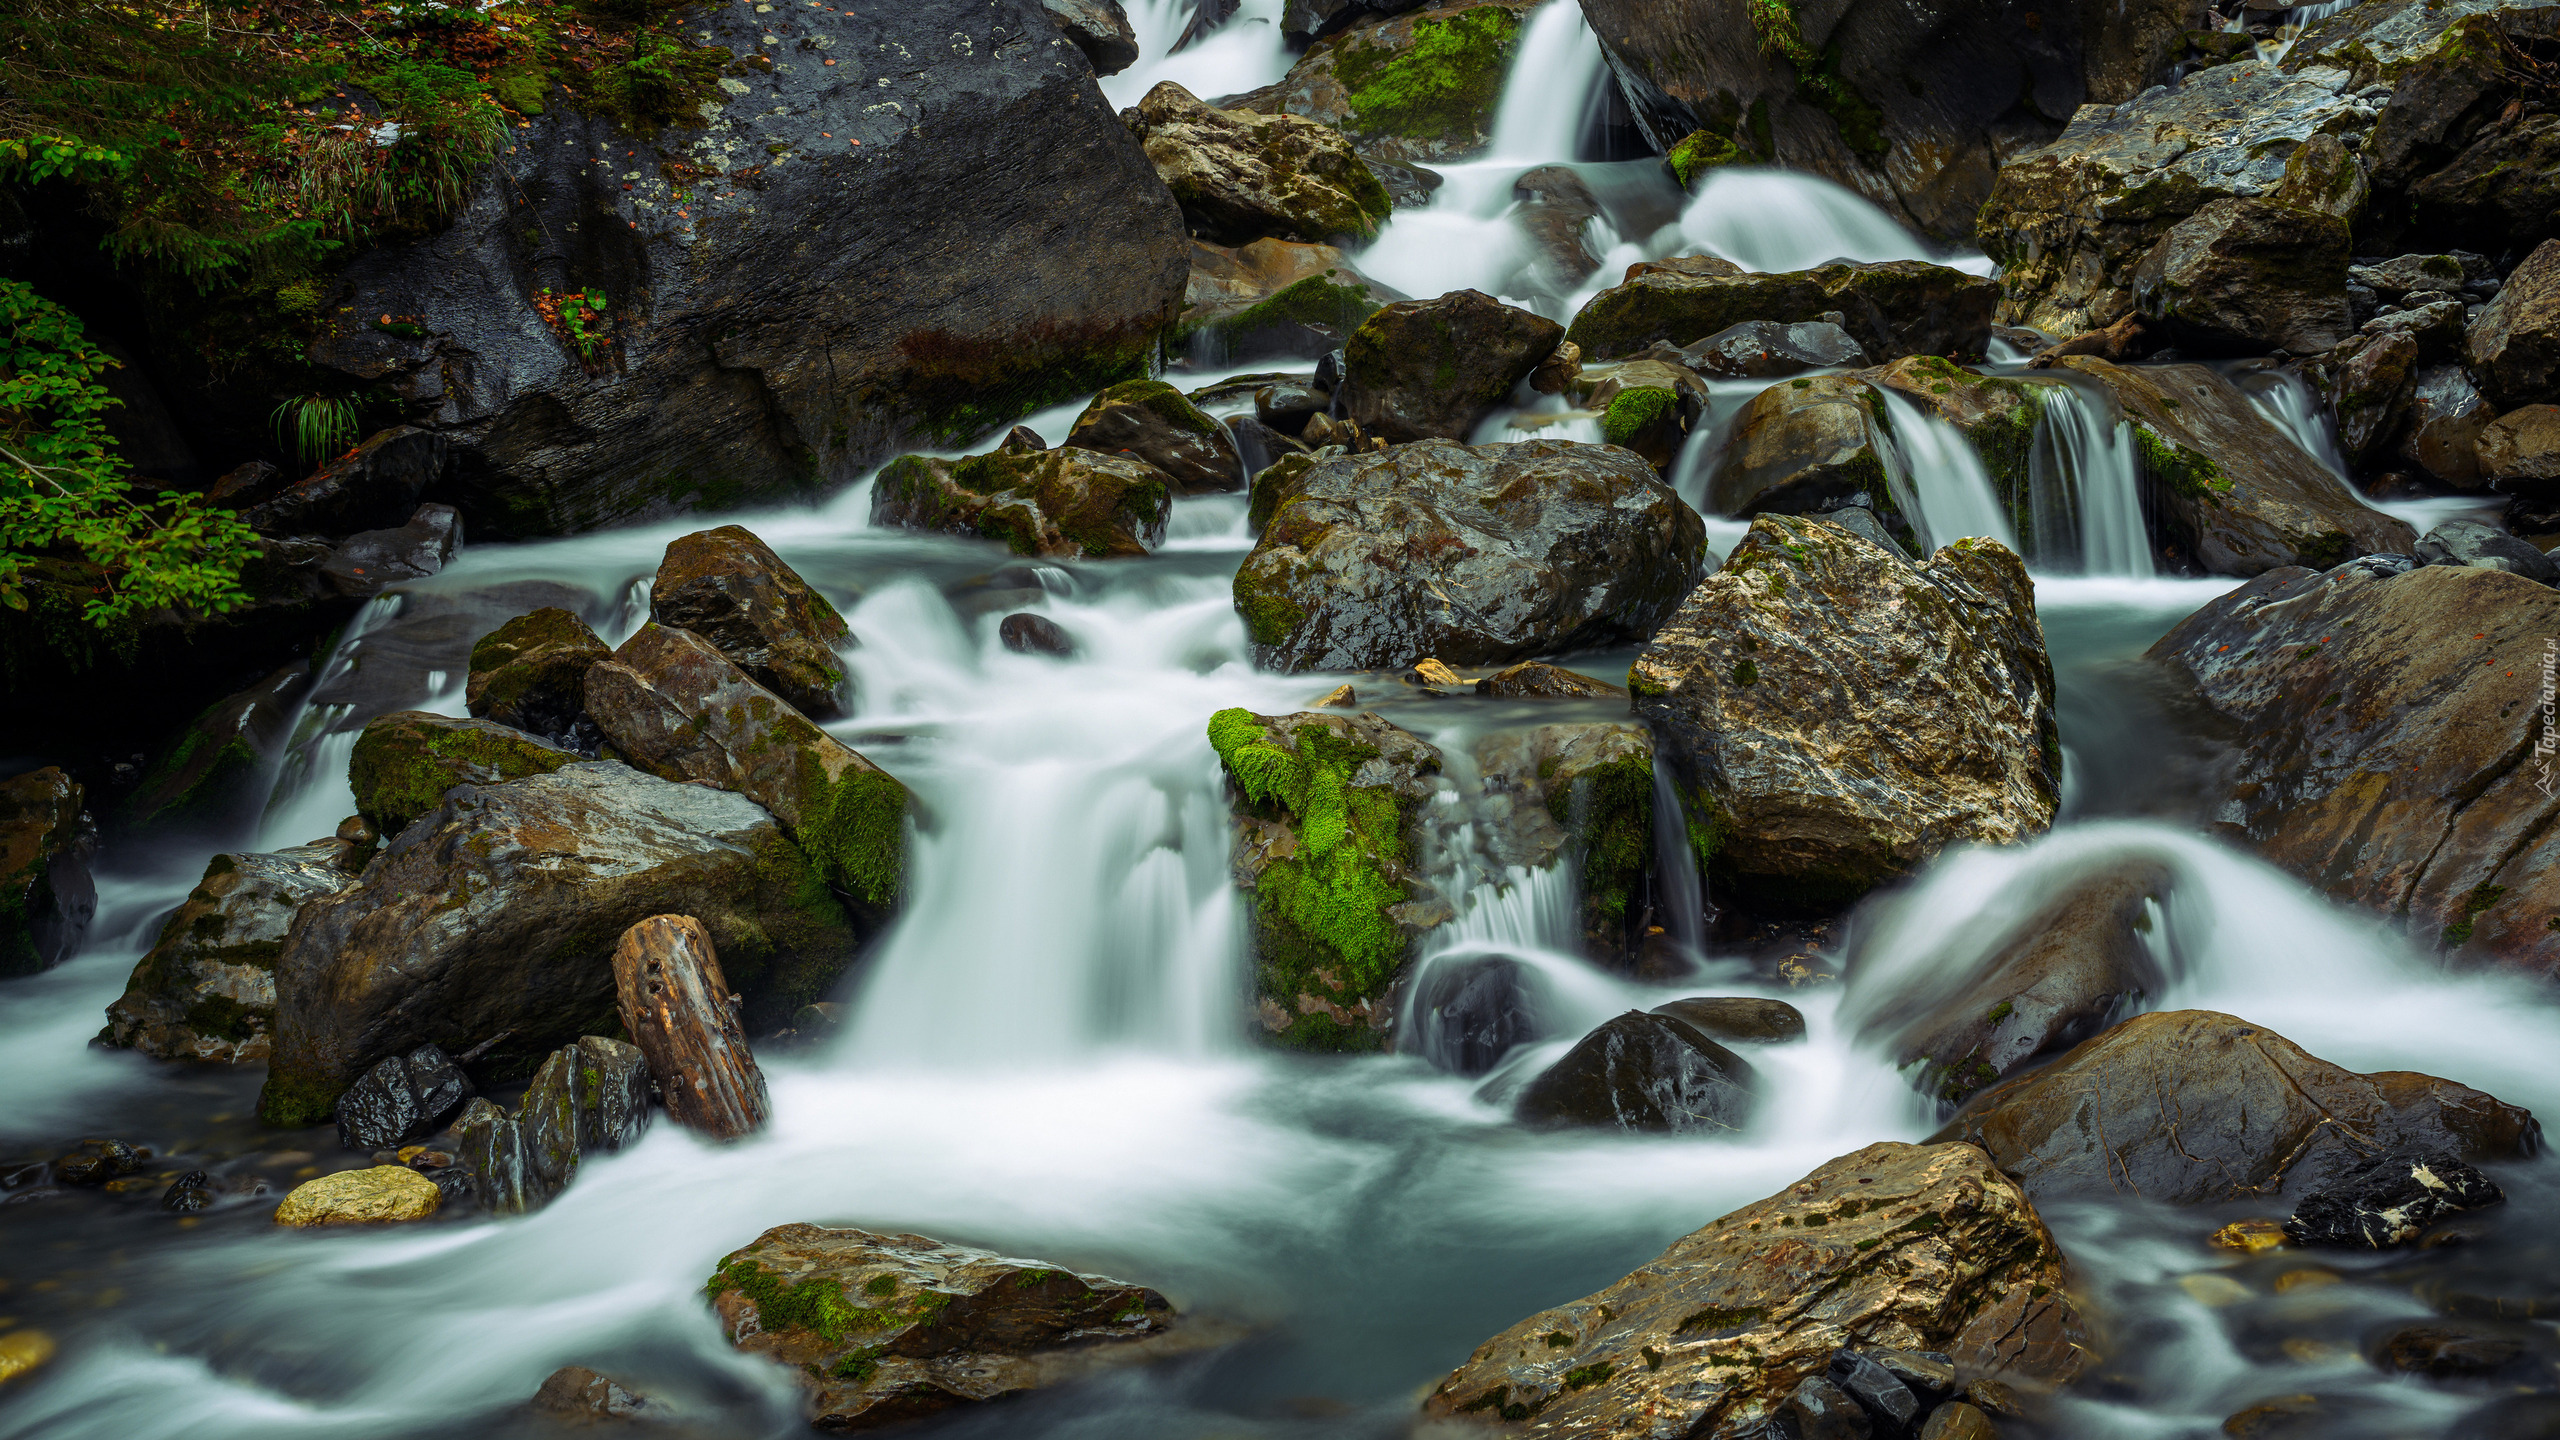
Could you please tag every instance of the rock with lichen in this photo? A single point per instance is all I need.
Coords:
(1158, 424)
(47, 895)
(1241, 176)
(1422, 86)
(1583, 790)
(531, 673)
(1064, 502)
(1423, 369)
(1890, 308)
(728, 587)
(404, 762)
(209, 775)
(206, 990)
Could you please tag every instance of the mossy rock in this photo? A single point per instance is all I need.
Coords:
(531, 672)
(404, 762)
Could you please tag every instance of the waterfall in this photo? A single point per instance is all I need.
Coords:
(2084, 477)
(1543, 121)
(1937, 477)
(1774, 220)
(1244, 53)
(2286, 400)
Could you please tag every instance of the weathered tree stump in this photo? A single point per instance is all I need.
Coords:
(678, 1008)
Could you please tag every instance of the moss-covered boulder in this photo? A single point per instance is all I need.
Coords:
(728, 587)
(2245, 277)
(1325, 808)
(1420, 86)
(1579, 789)
(1476, 555)
(531, 674)
(1420, 369)
(1273, 298)
(675, 707)
(207, 776)
(2233, 495)
(47, 895)
(1240, 176)
(1158, 424)
(1892, 309)
(1834, 715)
(879, 1329)
(494, 918)
(207, 990)
(405, 761)
(1804, 446)
(1063, 503)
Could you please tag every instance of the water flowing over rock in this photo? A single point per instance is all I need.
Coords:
(1420, 369)
(1154, 422)
(2190, 1107)
(531, 674)
(1274, 298)
(209, 776)
(46, 893)
(1324, 822)
(887, 1328)
(1913, 1247)
(494, 918)
(1243, 176)
(1586, 787)
(2235, 494)
(2381, 751)
(404, 763)
(675, 707)
(965, 170)
(1835, 715)
(589, 1098)
(1063, 502)
(206, 990)
(729, 587)
(1891, 308)
(1418, 86)
(1643, 1072)
(676, 1004)
(1476, 555)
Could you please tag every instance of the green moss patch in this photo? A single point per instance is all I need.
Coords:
(1702, 151)
(858, 834)
(2190, 473)
(1634, 412)
(404, 763)
(1443, 88)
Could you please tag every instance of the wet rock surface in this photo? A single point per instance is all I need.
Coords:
(1582, 790)
(2190, 1107)
(1470, 1013)
(1420, 369)
(2250, 276)
(404, 1098)
(1890, 308)
(588, 1098)
(405, 762)
(1643, 1072)
(728, 587)
(1925, 1248)
(1098, 28)
(1802, 448)
(383, 1195)
(1063, 502)
(1474, 554)
(1243, 176)
(2486, 547)
(1421, 84)
(1274, 298)
(1155, 423)
(208, 775)
(531, 674)
(370, 561)
(1835, 715)
(889, 1328)
(2388, 1200)
(676, 1005)
(2515, 346)
(47, 895)
(1738, 1019)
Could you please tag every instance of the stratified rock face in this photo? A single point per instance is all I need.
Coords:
(208, 777)
(677, 708)
(971, 180)
(2190, 1107)
(2245, 277)
(1243, 176)
(1476, 555)
(729, 587)
(207, 990)
(885, 1328)
(1645, 1073)
(2235, 495)
(1158, 424)
(1421, 86)
(2515, 347)
(531, 674)
(1420, 369)
(1062, 502)
(2386, 744)
(497, 915)
(1892, 103)
(1911, 1247)
(1325, 807)
(1835, 715)
(589, 1098)
(1892, 309)
(404, 762)
(46, 893)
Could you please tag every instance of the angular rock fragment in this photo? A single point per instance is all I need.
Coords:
(728, 587)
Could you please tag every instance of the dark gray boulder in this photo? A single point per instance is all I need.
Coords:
(1468, 1014)
(2244, 277)
(589, 1098)
(1420, 369)
(2468, 542)
(2387, 1200)
(1099, 28)
(400, 1100)
(206, 990)
(995, 241)
(371, 561)
(1767, 349)
(728, 587)
(375, 486)
(1156, 423)
(1642, 1072)
(1738, 1019)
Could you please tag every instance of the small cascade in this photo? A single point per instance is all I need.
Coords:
(1544, 121)
(1244, 53)
(2286, 400)
(1680, 891)
(1938, 478)
(310, 774)
(1773, 220)
(2084, 482)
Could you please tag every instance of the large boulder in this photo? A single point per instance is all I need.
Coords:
(2476, 173)
(2519, 452)
(1423, 85)
(374, 486)
(2369, 381)
(971, 180)
(2235, 495)
(1894, 103)
(2380, 749)
(531, 674)
(208, 776)
(207, 989)
(2248, 276)
(1158, 424)
(2191, 1107)
(404, 762)
(1273, 298)
(1907, 1247)
(1325, 808)
(47, 895)
(2514, 347)
(1420, 369)
(729, 587)
(1477, 555)
(1801, 447)
(1646, 1073)
(493, 919)
(1242, 176)
(880, 1329)
(2446, 418)
(1834, 714)
(677, 708)
(1892, 309)
(1064, 502)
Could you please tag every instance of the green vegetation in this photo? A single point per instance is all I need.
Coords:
(818, 1306)
(1443, 88)
(2185, 471)
(63, 491)
(1314, 301)
(1702, 151)
(315, 427)
(859, 835)
(1818, 78)
(2474, 904)
(1633, 412)
(402, 766)
(1609, 809)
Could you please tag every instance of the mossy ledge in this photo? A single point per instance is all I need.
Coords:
(1635, 411)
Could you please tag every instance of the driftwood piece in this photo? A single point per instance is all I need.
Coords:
(678, 1008)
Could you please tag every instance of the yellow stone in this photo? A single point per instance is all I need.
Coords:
(1432, 672)
(411, 1152)
(2214, 1291)
(2305, 1279)
(361, 1197)
(1342, 698)
(2311, 1352)
(22, 1351)
(2250, 1235)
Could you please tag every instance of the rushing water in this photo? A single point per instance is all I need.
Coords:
(1047, 1054)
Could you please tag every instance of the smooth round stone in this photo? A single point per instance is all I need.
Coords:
(381, 1195)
